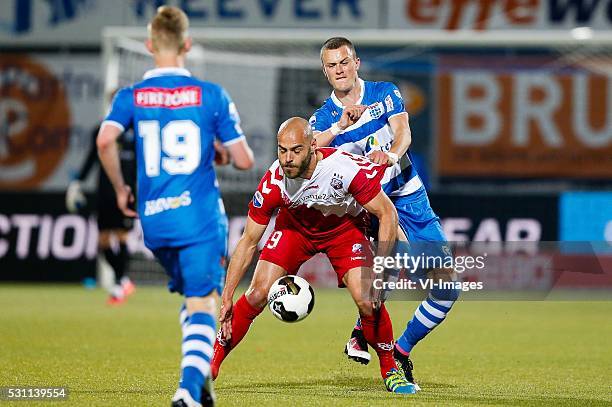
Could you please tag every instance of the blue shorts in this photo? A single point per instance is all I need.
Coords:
(417, 219)
(198, 269)
(422, 227)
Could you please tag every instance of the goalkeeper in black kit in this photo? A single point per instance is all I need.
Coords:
(113, 226)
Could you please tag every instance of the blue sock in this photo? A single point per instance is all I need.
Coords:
(183, 318)
(428, 315)
(198, 338)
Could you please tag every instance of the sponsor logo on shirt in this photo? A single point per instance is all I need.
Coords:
(158, 205)
(372, 144)
(311, 187)
(389, 103)
(310, 199)
(172, 98)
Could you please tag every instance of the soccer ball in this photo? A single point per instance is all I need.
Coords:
(291, 298)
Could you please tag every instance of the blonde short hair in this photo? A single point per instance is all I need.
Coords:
(168, 29)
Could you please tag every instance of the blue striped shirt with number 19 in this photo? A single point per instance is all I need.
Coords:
(176, 119)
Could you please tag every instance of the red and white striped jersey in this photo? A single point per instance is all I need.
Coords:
(331, 200)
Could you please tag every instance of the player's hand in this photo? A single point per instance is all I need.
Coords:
(222, 156)
(225, 317)
(350, 116)
(379, 157)
(125, 197)
(75, 199)
(377, 298)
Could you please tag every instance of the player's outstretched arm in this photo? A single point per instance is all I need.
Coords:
(382, 207)
(109, 157)
(242, 155)
(240, 261)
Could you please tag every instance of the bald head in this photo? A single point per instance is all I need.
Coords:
(295, 128)
(295, 146)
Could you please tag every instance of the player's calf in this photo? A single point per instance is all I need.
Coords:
(430, 313)
(243, 314)
(378, 332)
(245, 310)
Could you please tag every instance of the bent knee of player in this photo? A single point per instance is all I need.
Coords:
(104, 239)
(206, 304)
(257, 296)
(365, 307)
(444, 294)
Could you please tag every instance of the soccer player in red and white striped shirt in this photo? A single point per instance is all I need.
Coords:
(324, 197)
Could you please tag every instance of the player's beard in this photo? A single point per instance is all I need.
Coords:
(303, 166)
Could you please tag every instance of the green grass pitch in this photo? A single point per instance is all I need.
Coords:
(486, 353)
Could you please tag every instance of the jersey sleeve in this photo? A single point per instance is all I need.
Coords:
(392, 100)
(121, 112)
(228, 120)
(366, 184)
(320, 120)
(265, 200)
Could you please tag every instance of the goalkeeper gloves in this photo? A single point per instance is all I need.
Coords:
(75, 199)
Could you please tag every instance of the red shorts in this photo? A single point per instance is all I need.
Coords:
(346, 250)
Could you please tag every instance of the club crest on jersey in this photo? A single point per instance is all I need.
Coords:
(397, 93)
(312, 120)
(336, 181)
(376, 110)
(357, 248)
(258, 199)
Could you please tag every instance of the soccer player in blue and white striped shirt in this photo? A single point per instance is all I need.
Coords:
(369, 118)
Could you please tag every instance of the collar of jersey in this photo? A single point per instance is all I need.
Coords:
(337, 101)
(166, 72)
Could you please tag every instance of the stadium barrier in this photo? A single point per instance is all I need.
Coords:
(39, 240)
